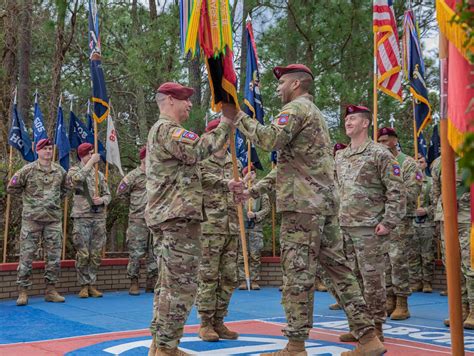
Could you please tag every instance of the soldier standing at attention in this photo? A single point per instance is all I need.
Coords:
(254, 232)
(42, 185)
(422, 251)
(219, 245)
(396, 266)
(308, 200)
(174, 209)
(372, 199)
(88, 214)
(139, 240)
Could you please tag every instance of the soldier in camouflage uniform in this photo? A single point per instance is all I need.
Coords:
(396, 266)
(88, 214)
(372, 200)
(308, 199)
(174, 209)
(464, 231)
(139, 239)
(42, 185)
(219, 245)
(421, 249)
(260, 207)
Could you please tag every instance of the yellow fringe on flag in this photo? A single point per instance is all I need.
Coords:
(472, 245)
(455, 137)
(226, 24)
(455, 33)
(193, 28)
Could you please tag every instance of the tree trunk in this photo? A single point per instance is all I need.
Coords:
(153, 11)
(24, 51)
(194, 66)
(292, 45)
(141, 113)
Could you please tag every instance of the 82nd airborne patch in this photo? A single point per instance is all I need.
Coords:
(396, 169)
(185, 136)
(283, 119)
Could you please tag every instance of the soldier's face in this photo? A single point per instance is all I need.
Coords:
(422, 162)
(86, 158)
(46, 153)
(355, 124)
(389, 141)
(284, 88)
(182, 108)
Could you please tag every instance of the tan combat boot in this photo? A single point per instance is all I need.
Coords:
(161, 351)
(401, 311)
(369, 345)
(84, 293)
(427, 288)
(390, 304)
(94, 293)
(347, 337)
(243, 286)
(254, 286)
(152, 350)
(335, 306)
(416, 287)
(444, 293)
(469, 321)
(320, 287)
(206, 330)
(52, 295)
(293, 348)
(465, 313)
(150, 284)
(379, 331)
(223, 331)
(22, 297)
(134, 289)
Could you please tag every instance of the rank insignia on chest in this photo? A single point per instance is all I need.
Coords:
(396, 170)
(283, 119)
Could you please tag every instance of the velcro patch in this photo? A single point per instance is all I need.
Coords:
(283, 119)
(183, 135)
(396, 170)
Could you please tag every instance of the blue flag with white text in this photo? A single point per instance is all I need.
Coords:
(18, 136)
(79, 133)
(62, 141)
(39, 130)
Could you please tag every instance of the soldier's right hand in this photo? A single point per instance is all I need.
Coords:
(249, 177)
(381, 230)
(95, 157)
(235, 186)
(229, 111)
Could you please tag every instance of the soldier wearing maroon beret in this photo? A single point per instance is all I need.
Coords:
(132, 189)
(174, 207)
(42, 185)
(88, 214)
(397, 266)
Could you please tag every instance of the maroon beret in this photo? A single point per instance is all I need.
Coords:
(176, 90)
(292, 68)
(43, 143)
(142, 152)
(386, 131)
(84, 149)
(339, 146)
(211, 125)
(354, 109)
(246, 169)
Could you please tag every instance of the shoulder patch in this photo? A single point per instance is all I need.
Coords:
(396, 169)
(123, 185)
(182, 135)
(419, 176)
(283, 119)
(14, 180)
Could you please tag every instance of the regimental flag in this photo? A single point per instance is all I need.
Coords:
(39, 131)
(389, 76)
(61, 140)
(79, 133)
(422, 146)
(414, 68)
(90, 122)
(99, 92)
(242, 152)
(435, 146)
(18, 136)
(111, 145)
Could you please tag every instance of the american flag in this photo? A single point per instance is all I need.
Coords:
(389, 70)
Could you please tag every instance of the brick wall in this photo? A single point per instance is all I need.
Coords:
(113, 276)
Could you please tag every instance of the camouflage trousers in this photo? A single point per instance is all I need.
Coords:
(421, 255)
(88, 238)
(255, 246)
(305, 239)
(365, 252)
(139, 245)
(467, 273)
(217, 274)
(396, 262)
(30, 236)
(179, 254)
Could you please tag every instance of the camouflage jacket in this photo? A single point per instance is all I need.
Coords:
(304, 176)
(173, 177)
(83, 182)
(42, 191)
(462, 193)
(412, 181)
(371, 186)
(261, 207)
(133, 188)
(426, 203)
(220, 209)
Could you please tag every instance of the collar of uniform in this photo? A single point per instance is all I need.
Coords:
(169, 118)
(43, 169)
(221, 160)
(360, 149)
(305, 96)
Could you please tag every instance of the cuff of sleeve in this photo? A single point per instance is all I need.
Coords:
(388, 224)
(225, 185)
(239, 118)
(254, 193)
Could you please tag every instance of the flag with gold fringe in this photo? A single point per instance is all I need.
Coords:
(206, 30)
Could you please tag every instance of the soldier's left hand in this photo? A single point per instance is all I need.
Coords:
(420, 212)
(229, 111)
(236, 186)
(97, 200)
(242, 197)
(381, 230)
(250, 215)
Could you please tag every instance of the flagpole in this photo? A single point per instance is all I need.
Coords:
(240, 212)
(375, 93)
(7, 209)
(249, 166)
(273, 222)
(448, 194)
